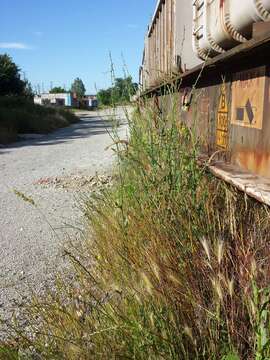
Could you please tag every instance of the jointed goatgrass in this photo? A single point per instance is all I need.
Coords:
(175, 266)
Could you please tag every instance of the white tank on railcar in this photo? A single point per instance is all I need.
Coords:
(184, 53)
(219, 25)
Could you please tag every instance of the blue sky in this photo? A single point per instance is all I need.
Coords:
(55, 41)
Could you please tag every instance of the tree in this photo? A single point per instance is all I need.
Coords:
(78, 88)
(105, 96)
(124, 89)
(10, 79)
(121, 92)
(28, 90)
(57, 90)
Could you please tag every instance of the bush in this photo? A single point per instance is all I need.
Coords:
(7, 134)
(23, 116)
(175, 264)
(120, 93)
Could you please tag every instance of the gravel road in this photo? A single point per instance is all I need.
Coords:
(52, 170)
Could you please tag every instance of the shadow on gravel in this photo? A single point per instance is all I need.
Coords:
(4, 150)
(87, 126)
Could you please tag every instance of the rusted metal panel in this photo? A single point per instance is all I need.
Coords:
(245, 56)
(156, 63)
(253, 185)
(229, 108)
(210, 112)
(161, 44)
(166, 37)
(169, 42)
(248, 101)
(261, 29)
(164, 71)
(202, 117)
(250, 147)
(172, 44)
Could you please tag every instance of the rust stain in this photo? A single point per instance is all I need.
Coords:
(248, 98)
(204, 105)
(257, 162)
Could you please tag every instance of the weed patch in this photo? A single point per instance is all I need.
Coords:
(174, 265)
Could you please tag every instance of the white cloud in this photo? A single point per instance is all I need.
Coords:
(14, 45)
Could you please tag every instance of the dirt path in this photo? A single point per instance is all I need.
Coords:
(52, 170)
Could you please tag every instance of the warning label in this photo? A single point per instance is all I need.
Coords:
(222, 120)
(248, 93)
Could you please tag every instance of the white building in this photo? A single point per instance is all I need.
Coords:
(64, 99)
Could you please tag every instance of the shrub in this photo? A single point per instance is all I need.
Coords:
(23, 116)
(7, 134)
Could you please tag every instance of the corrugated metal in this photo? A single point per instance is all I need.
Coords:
(182, 31)
(168, 44)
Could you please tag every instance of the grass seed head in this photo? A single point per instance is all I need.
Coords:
(231, 287)
(217, 288)
(206, 248)
(147, 283)
(220, 251)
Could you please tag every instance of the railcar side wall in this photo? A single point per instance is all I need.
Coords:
(168, 43)
(231, 114)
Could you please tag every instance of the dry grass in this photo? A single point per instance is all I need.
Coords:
(20, 115)
(176, 267)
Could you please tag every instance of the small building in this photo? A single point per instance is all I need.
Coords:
(67, 100)
(90, 101)
(63, 99)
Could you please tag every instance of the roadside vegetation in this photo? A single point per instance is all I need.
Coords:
(174, 264)
(18, 113)
(119, 93)
(58, 90)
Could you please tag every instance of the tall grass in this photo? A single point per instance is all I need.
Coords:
(174, 265)
(20, 115)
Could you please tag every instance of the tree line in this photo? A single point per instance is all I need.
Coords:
(10, 79)
(120, 92)
(11, 84)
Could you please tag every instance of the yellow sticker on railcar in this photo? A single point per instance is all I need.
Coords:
(222, 120)
(248, 98)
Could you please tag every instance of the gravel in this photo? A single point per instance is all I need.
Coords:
(53, 171)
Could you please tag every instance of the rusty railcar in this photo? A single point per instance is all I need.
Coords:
(168, 43)
(229, 107)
